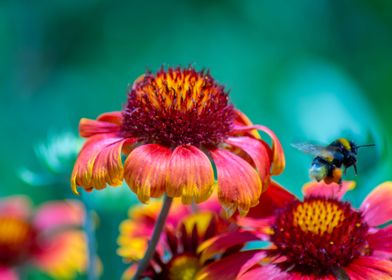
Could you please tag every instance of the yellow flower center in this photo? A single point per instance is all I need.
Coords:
(184, 267)
(318, 216)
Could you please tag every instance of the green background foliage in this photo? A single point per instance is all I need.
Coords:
(309, 70)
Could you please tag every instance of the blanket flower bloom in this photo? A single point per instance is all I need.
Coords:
(321, 237)
(176, 256)
(175, 124)
(48, 240)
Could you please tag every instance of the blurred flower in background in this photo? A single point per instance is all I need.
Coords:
(173, 122)
(49, 238)
(321, 237)
(56, 156)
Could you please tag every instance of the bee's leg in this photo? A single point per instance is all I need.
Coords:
(355, 169)
(344, 171)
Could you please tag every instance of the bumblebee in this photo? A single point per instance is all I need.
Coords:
(329, 160)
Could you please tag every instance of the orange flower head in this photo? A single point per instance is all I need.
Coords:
(176, 124)
(178, 107)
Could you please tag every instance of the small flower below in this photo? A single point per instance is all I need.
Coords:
(320, 237)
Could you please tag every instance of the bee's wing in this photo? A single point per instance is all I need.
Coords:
(315, 150)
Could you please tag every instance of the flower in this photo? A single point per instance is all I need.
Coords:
(177, 255)
(321, 237)
(173, 126)
(49, 239)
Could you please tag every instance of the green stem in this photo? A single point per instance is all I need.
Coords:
(167, 201)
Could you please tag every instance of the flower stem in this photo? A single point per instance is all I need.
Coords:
(167, 201)
(91, 246)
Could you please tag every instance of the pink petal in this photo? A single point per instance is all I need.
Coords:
(99, 162)
(228, 267)
(7, 274)
(239, 185)
(16, 206)
(54, 215)
(370, 268)
(269, 272)
(191, 176)
(377, 206)
(381, 240)
(146, 170)
(327, 190)
(219, 244)
(257, 151)
(106, 123)
(278, 162)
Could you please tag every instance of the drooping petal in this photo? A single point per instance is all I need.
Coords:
(370, 268)
(269, 272)
(219, 244)
(258, 153)
(191, 176)
(227, 268)
(7, 273)
(105, 123)
(242, 120)
(64, 256)
(146, 170)
(239, 183)
(278, 162)
(99, 162)
(18, 206)
(327, 190)
(52, 215)
(381, 241)
(377, 206)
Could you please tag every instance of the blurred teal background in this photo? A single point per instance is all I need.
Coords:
(310, 70)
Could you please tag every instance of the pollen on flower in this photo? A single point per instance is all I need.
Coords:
(319, 233)
(178, 106)
(318, 216)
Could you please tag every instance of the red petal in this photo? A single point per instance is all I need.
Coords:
(228, 267)
(381, 240)
(190, 175)
(53, 215)
(146, 170)
(16, 206)
(269, 272)
(239, 184)
(105, 123)
(99, 162)
(220, 244)
(278, 162)
(327, 190)
(274, 198)
(377, 206)
(258, 153)
(370, 268)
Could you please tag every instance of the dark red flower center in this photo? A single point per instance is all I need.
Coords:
(178, 106)
(17, 240)
(318, 235)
